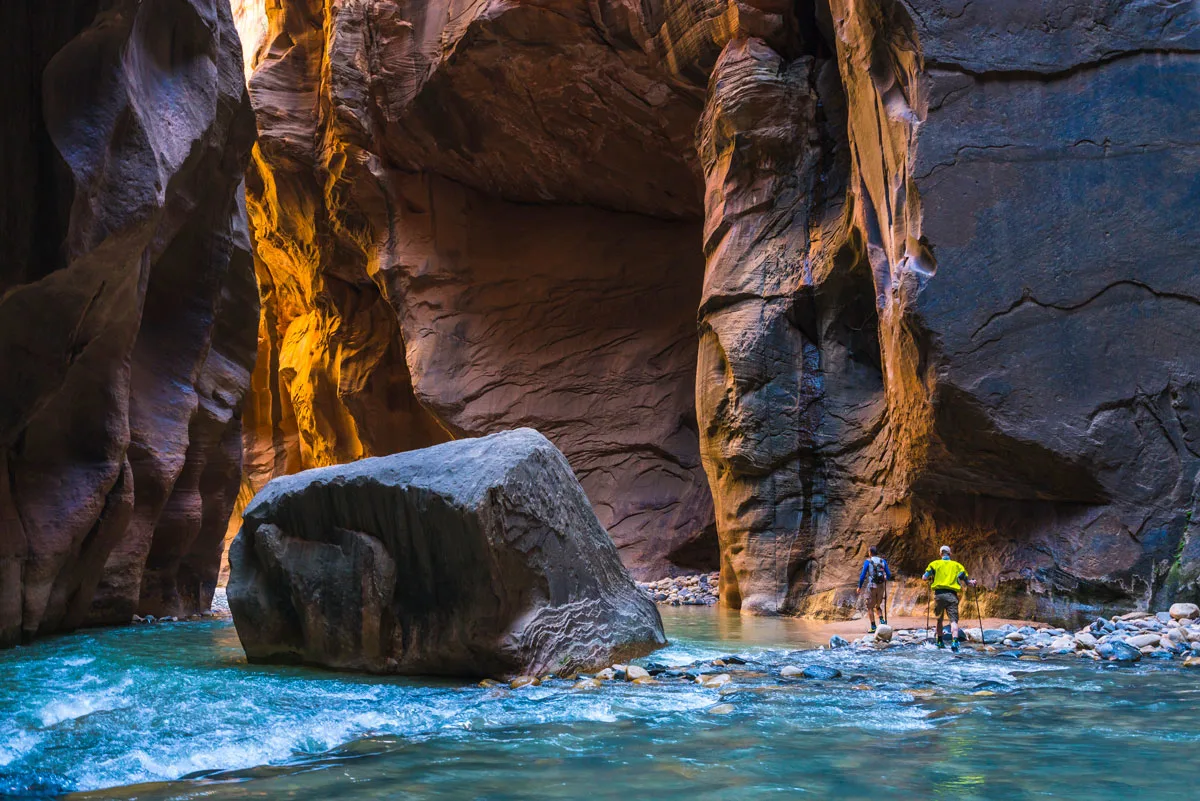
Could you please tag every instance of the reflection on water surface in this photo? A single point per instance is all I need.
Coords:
(150, 705)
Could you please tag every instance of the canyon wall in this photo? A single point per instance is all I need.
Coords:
(474, 218)
(128, 308)
(934, 249)
(1022, 177)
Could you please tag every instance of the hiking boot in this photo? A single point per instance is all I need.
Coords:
(883, 621)
(940, 644)
(872, 630)
(954, 646)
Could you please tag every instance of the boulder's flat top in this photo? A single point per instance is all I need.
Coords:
(440, 468)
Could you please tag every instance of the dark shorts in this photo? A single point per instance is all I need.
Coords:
(946, 601)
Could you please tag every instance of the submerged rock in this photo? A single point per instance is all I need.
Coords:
(1127, 638)
(821, 672)
(1119, 651)
(714, 680)
(524, 681)
(478, 557)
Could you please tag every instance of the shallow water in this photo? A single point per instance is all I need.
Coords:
(152, 704)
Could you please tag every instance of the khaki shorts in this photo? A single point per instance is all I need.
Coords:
(946, 601)
(876, 597)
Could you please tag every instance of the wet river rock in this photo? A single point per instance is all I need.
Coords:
(477, 557)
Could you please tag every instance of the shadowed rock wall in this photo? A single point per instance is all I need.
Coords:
(936, 251)
(127, 308)
(1023, 174)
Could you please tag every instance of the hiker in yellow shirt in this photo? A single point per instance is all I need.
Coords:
(944, 575)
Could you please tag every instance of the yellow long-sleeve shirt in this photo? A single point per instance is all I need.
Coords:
(945, 574)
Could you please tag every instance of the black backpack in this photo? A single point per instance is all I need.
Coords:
(877, 573)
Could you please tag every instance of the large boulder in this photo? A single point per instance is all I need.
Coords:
(474, 557)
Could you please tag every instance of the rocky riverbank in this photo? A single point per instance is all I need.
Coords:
(1174, 634)
(1165, 636)
(219, 609)
(694, 590)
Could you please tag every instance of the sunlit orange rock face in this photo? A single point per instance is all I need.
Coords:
(127, 308)
(810, 276)
(485, 216)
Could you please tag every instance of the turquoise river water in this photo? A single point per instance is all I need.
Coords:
(174, 711)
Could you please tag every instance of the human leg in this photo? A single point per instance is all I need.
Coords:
(874, 605)
(952, 612)
(945, 604)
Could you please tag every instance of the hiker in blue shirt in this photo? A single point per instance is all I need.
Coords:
(876, 574)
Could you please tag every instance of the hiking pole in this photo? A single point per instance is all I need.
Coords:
(928, 604)
(885, 596)
(982, 637)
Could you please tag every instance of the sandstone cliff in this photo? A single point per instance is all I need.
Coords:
(127, 308)
(476, 218)
(937, 248)
(1022, 176)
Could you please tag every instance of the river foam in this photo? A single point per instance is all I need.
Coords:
(158, 703)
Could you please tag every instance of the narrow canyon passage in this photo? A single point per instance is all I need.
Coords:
(462, 223)
(580, 323)
(661, 316)
(540, 260)
(782, 280)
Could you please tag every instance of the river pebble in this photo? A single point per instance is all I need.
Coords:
(1184, 611)
(524, 681)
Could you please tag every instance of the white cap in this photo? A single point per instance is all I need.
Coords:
(944, 549)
